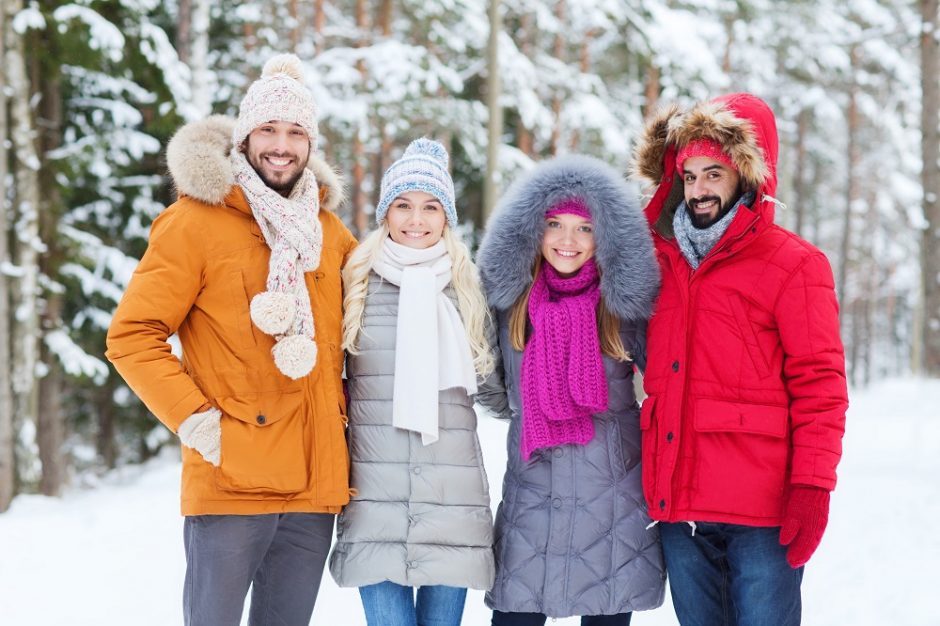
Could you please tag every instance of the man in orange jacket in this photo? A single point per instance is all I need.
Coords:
(245, 268)
(745, 377)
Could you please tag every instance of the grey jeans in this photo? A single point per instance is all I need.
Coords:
(281, 555)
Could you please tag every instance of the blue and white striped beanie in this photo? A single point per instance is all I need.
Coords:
(423, 167)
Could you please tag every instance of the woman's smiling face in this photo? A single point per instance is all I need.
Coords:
(416, 219)
(568, 242)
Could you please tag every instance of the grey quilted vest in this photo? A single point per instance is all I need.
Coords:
(422, 513)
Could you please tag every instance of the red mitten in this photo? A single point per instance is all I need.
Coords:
(804, 523)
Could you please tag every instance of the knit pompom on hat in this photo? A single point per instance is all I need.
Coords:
(706, 148)
(423, 167)
(571, 206)
(278, 96)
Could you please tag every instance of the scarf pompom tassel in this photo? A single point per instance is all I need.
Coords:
(273, 312)
(295, 355)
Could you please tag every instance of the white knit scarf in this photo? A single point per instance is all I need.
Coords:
(291, 228)
(431, 347)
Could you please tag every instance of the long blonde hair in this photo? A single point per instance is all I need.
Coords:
(608, 326)
(464, 279)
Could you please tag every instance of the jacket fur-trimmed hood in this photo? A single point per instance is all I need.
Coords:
(624, 248)
(198, 159)
(741, 123)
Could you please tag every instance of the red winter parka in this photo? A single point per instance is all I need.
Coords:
(746, 371)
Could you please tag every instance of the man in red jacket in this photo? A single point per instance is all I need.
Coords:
(742, 429)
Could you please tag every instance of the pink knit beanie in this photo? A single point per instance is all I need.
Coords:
(706, 148)
(572, 206)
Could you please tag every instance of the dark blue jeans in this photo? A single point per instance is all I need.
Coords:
(538, 619)
(730, 575)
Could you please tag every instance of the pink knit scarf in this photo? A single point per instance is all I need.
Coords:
(563, 379)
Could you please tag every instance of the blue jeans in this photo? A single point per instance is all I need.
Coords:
(391, 604)
(730, 575)
(501, 618)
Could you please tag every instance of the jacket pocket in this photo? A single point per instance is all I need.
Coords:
(741, 457)
(264, 443)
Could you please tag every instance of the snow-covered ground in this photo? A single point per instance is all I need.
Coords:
(113, 556)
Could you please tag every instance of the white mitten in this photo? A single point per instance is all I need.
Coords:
(203, 433)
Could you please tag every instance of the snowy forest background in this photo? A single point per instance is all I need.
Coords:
(90, 92)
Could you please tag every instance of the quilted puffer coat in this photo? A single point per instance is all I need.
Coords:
(746, 373)
(572, 534)
(422, 513)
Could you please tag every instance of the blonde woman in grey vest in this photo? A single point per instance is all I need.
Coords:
(418, 530)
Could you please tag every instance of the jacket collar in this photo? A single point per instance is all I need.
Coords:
(199, 164)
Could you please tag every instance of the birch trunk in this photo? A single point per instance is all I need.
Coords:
(494, 127)
(27, 244)
(360, 219)
(202, 83)
(7, 456)
(930, 152)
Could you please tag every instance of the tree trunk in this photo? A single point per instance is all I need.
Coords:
(385, 17)
(50, 418)
(360, 219)
(7, 456)
(27, 244)
(558, 49)
(852, 123)
(104, 439)
(184, 23)
(319, 21)
(584, 64)
(729, 44)
(202, 84)
(799, 172)
(494, 127)
(524, 138)
(295, 24)
(930, 151)
(651, 91)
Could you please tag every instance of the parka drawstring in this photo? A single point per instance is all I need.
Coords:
(769, 198)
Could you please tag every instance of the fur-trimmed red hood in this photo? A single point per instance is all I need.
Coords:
(741, 123)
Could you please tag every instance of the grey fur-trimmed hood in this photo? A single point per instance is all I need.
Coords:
(198, 159)
(624, 247)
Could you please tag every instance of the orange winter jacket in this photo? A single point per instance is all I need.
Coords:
(283, 446)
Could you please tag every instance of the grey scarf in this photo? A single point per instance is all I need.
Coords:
(696, 243)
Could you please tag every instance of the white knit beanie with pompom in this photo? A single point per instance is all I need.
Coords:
(279, 95)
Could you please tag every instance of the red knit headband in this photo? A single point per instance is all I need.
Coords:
(706, 148)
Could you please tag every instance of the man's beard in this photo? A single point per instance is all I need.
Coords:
(703, 220)
(283, 188)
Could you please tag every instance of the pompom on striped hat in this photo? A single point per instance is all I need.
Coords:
(423, 167)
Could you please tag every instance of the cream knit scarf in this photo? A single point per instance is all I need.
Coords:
(291, 228)
(431, 347)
